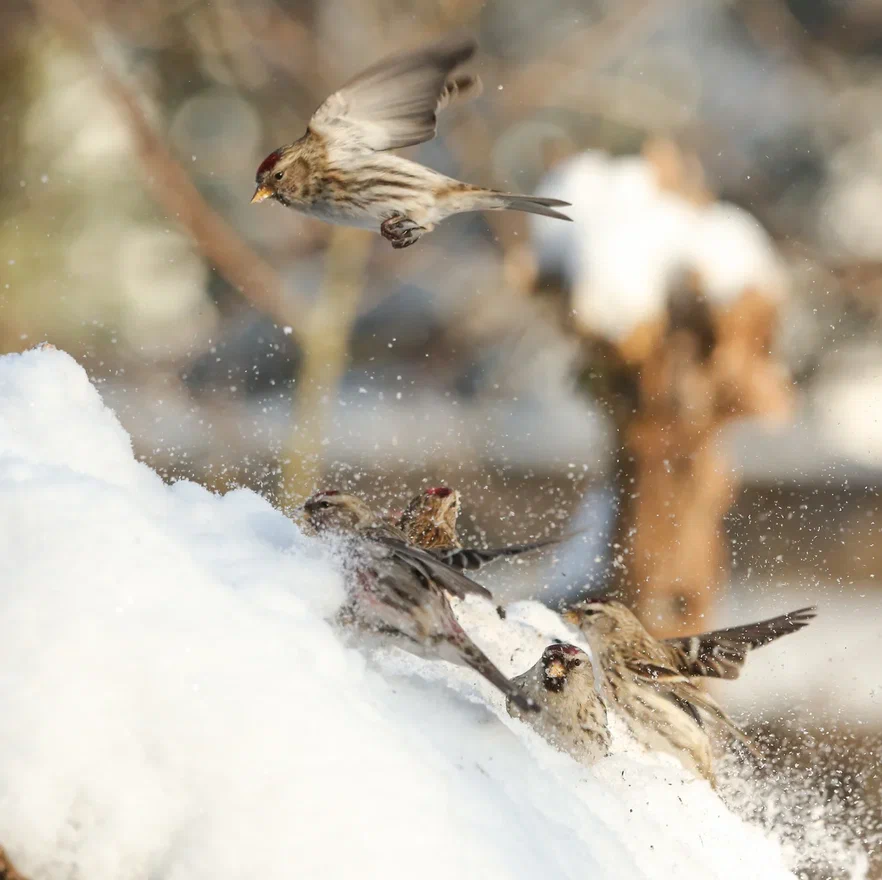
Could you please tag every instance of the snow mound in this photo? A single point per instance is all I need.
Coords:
(177, 705)
(630, 239)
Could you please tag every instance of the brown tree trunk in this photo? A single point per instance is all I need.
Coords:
(669, 547)
(671, 390)
(7, 869)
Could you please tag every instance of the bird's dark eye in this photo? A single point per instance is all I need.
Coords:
(324, 505)
(279, 175)
(577, 663)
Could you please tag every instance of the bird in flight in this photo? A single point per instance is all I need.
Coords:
(343, 169)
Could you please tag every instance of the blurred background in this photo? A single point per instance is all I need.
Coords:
(686, 380)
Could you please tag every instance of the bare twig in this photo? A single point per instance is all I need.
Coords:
(322, 330)
(216, 239)
(325, 355)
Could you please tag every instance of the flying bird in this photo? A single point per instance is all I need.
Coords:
(398, 589)
(343, 171)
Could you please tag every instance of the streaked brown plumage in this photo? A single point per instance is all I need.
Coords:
(400, 589)
(341, 170)
(661, 706)
(429, 521)
(573, 718)
(720, 653)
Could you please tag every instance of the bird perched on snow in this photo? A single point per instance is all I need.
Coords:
(661, 706)
(573, 718)
(341, 170)
(400, 589)
(429, 521)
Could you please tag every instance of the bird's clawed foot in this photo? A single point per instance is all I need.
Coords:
(401, 231)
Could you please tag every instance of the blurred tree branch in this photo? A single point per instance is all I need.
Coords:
(219, 243)
(325, 357)
(587, 50)
(322, 330)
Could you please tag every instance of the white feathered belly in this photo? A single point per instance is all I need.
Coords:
(346, 215)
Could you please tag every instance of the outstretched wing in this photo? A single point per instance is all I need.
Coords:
(472, 558)
(395, 102)
(432, 568)
(721, 653)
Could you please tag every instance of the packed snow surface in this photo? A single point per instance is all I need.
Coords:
(176, 703)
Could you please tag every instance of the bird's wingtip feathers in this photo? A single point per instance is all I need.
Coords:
(457, 46)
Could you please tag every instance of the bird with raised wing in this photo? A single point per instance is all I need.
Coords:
(429, 521)
(641, 679)
(402, 590)
(342, 169)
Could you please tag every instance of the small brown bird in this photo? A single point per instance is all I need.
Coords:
(429, 521)
(720, 653)
(398, 589)
(661, 706)
(573, 717)
(341, 170)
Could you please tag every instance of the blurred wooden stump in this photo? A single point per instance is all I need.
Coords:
(674, 352)
(7, 869)
(671, 387)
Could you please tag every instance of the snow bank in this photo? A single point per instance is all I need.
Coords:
(176, 705)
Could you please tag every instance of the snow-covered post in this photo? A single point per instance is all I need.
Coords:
(676, 298)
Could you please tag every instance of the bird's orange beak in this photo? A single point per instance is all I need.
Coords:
(262, 193)
(556, 669)
(572, 617)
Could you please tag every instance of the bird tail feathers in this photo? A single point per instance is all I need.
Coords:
(490, 200)
(535, 205)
